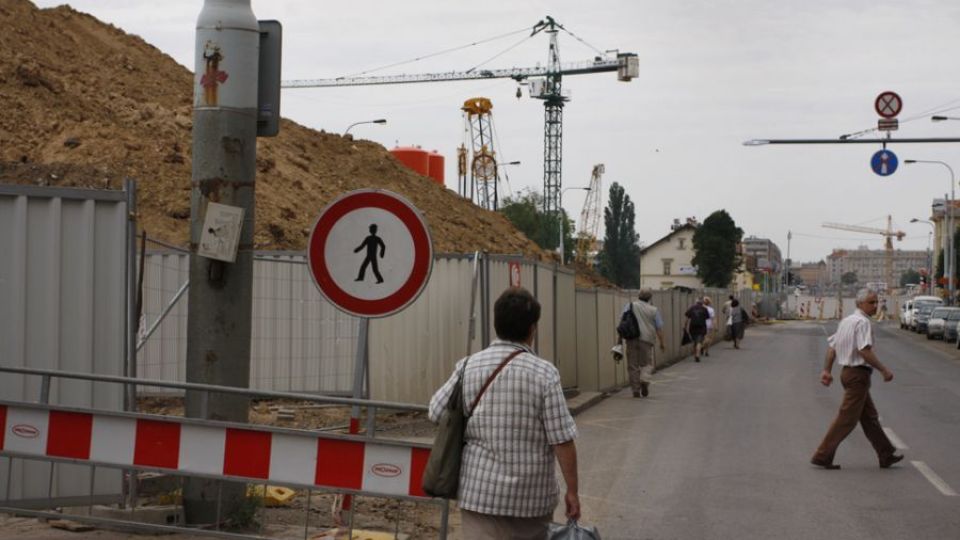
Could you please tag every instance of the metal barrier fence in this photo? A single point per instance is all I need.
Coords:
(83, 437)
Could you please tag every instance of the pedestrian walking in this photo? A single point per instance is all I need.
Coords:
(696, 326)
(640, 350)
(852, 347)
(737, 321)
(711, 327)
(883, 310)
(508, 484)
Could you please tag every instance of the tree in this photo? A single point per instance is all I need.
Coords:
(909, 276)
(526, 215)
(849, 278)
(715, 243)
(620, 257)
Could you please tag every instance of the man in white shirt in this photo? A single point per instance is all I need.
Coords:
(852, 347)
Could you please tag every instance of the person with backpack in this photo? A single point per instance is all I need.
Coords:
(696, 326)
(640, 340)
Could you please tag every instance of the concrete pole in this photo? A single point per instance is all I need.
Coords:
(224, 160)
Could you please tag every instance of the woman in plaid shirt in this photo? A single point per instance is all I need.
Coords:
(508, 483)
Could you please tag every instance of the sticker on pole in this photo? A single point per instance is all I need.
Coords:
(884, 162)
(370, 253)
(888, 104)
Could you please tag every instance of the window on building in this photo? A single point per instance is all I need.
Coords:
(681, 242)
(666, 266)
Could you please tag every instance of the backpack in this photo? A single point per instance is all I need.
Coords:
(628, 328)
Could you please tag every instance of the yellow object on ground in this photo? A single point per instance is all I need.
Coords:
(276, 495)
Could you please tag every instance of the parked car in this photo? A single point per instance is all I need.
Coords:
(950, 330)
(915, 304)
(921, 316)
(937, 324)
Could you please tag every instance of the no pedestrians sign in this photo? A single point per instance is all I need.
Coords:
(370, 253)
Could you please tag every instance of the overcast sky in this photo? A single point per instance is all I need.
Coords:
(713, 74)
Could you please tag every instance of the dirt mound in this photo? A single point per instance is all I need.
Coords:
(87, 105)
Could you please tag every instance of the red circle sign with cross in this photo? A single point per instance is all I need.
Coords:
(370, 253)
(888, 104)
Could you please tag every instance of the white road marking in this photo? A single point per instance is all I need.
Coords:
(894, 439)
(934, 479)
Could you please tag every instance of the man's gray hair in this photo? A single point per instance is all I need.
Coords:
(862, 294)
(645, 295)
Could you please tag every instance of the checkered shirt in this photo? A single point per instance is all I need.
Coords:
(508, 466)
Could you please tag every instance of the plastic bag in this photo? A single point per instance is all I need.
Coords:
(572, 531)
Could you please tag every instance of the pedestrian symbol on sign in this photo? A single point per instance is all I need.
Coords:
(371, 242)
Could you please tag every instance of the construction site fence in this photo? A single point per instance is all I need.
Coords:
(102, 446)
(302, 343)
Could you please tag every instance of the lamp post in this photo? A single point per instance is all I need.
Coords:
(948, 256)
(560, 216)
(377, 121)
(929, 242)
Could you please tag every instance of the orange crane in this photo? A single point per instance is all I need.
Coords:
(544, 83)
(888, 233)
(590, 218)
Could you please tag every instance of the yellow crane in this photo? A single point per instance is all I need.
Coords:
(889, 235)
(590, 218)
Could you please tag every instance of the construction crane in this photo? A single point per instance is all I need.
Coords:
(590, 218)
(889, 235)
(544, 84)
(483, 170)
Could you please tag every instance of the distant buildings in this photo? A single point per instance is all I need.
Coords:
(668, 262)
(870, 264)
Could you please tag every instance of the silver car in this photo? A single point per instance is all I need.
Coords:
(950, 328)
(936, 325)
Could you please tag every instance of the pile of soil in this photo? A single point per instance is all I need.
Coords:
(87, 105)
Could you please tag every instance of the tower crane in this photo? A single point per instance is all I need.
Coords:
(544, 84)
(590, 218)
(888, 233)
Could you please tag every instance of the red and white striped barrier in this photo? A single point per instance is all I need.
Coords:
(284, 458)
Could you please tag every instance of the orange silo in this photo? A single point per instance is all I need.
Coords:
(415, 158)
(436, 167)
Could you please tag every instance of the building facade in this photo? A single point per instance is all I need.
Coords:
(870, 265)
(668, 262)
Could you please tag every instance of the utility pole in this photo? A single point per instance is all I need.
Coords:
(224, 159)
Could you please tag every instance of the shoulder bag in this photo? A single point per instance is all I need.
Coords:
(441, 477)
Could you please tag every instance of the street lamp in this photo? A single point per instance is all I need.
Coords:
(560, 216)
(377, 121)
(939, 118)
(948, 256)
(929, 242)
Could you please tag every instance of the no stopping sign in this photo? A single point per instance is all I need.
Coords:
(370, 253)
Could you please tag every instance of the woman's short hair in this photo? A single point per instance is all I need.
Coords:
(734, 302)
(645, 295)
(514, 313)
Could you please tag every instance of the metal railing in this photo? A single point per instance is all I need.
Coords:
(129, 384)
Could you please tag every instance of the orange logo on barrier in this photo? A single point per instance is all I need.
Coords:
(25, 431)
(387, 470)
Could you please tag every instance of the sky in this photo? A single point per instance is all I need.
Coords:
(713, 74)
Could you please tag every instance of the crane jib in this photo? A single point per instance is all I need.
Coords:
(624, 63)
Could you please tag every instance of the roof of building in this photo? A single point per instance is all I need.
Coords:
(685, 226)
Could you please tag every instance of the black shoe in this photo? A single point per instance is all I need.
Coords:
(826, 465)
(644, 390)
(706, 353)
(696, 358)
(636, 394)
(886, 462)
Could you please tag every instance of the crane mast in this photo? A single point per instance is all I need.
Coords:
(545, 83)
(590, 218)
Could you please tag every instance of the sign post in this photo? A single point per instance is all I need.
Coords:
(370, 254)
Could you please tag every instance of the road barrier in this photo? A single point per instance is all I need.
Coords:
(188, 447)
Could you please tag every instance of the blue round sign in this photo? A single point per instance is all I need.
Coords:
(884, 162)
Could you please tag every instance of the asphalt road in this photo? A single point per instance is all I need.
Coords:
(721, 448)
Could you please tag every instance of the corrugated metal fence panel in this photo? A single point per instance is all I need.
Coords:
(545, 329)
(62, 307)
(608, 309)
(566, 329)
(587, 342)
(413, 352)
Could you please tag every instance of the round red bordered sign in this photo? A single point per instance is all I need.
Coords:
(888, 104)
(370, 253)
